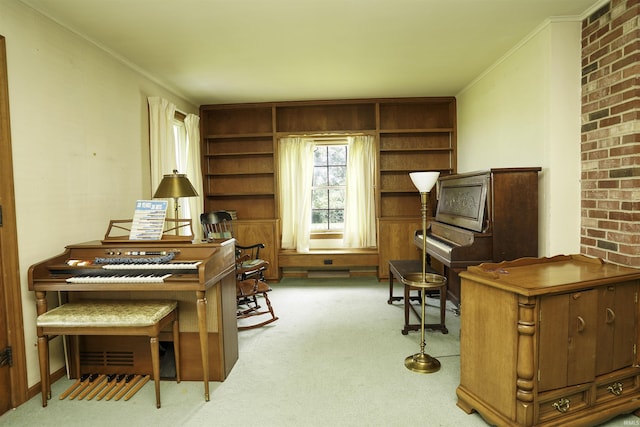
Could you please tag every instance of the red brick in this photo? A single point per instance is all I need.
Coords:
(611, 58)
(629, 249)
(610, 121)
(626, 106)
(609, 225)
(624, 260)
(625, 61)
(620, 216)
(598, 234)
(599, 214)
(609, 184)
(626, 238)
(610, 205)
(626, 150)
(630, 206)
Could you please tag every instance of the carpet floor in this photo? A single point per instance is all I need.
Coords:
(334, 358)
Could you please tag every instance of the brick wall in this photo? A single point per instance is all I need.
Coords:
(610, 143)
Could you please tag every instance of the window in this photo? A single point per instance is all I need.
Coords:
(181, 150)
(328, 188)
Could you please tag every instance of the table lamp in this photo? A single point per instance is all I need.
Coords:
(173, 186)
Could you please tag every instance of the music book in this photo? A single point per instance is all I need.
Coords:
(148, 220)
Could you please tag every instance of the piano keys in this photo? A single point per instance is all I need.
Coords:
(201, 276)
(485, 216)
(118, 278)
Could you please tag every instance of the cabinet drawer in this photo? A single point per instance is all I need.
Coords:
(555, 405)
(617, 388)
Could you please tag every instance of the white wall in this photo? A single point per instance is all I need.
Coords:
(525, 111)
(79, 129)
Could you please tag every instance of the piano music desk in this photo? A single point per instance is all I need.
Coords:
(401, 268)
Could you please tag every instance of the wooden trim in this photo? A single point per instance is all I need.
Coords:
(9, 262)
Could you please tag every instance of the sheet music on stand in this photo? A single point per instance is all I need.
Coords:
(148, 220)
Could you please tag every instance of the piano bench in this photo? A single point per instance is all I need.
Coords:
(108, 317)
(401, 268)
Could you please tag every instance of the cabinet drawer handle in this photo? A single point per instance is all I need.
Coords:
(580, 324)
(561, 405)
(611, 316)
(615, 388)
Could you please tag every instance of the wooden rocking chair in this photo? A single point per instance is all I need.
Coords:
(250, 282)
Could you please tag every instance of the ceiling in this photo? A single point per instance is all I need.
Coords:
(231, 51)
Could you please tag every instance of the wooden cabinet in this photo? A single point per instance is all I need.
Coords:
(250, 232)
(240, 152)
(549, 341)
(393, 235)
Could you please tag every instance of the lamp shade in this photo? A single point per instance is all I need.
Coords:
(175, 185)
(424, 181)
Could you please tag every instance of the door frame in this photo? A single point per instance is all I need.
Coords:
(10, 285)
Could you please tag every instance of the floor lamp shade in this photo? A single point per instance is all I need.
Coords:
(424, 181)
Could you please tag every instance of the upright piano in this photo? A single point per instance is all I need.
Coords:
(484, 216)
(200, 276)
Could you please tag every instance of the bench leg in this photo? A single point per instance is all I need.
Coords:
(155, 363)
(43, 356)
(176, 347)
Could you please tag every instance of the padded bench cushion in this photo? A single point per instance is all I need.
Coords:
(107, 313)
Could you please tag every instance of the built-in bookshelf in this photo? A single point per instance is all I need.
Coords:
(239, 151)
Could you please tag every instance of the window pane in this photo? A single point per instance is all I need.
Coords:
(319, 220)
(337, 175)
(336, 198)
(320, 156)
(337, 154)
(336, 218)
(320, 176)
(320, 199)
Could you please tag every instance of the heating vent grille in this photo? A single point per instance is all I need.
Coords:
(107, 358)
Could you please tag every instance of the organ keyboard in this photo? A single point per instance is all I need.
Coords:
(119, 278)
(194, 273)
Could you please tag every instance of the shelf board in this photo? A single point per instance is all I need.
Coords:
(401, 191)
(238, 173)
(441, 170)
(227, 195)
(239, 135)
(430, 130)
(244, 153)
(399, 150)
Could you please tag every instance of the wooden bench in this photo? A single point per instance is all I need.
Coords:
(400, 269)
(108, 317)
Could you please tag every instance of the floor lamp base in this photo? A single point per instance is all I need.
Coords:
(422, 363)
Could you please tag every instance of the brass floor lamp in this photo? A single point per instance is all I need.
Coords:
(422, 362)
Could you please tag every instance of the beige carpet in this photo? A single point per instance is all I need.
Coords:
(335, 358)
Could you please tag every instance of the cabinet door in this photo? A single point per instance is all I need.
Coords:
(249, 232)
(568, 332)
(395, 241)
(616, 327)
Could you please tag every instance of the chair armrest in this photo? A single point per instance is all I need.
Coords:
(257, 245)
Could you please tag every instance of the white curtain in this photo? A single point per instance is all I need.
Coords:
(360, 215)
(295, 167)
(166, 157)
(162, 150)
(193, 169)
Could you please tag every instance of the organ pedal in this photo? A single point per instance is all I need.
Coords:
(101, 386)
